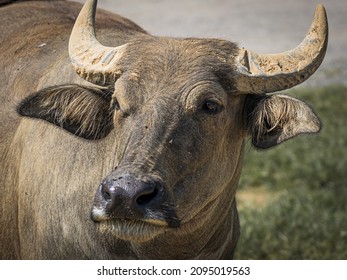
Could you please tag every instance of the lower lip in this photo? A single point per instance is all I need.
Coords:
(135, 231)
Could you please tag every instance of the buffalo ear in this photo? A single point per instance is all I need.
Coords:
(82, 111)
(272, 119)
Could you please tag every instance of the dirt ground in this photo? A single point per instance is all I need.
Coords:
(265, 26)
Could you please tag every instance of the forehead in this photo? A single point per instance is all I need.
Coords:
(166, 62)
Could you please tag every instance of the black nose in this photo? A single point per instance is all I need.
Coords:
(127, 196)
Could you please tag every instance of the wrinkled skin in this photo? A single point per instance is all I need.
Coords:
(172, 114)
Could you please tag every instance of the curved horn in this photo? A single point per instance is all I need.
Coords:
(91, 60)
(264, 73)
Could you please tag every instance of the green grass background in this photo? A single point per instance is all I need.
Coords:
(293, 198)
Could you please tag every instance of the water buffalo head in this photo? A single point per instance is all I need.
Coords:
(180, 111)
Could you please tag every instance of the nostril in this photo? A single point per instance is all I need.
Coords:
(146, 198)
(127, 192)
(106, 192)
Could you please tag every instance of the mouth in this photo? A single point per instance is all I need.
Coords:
(132, 230)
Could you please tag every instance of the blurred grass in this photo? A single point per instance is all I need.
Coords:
(293, 198)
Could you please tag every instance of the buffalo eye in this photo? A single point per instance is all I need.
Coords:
(212, 106)
(115, 104)
(116, 107)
